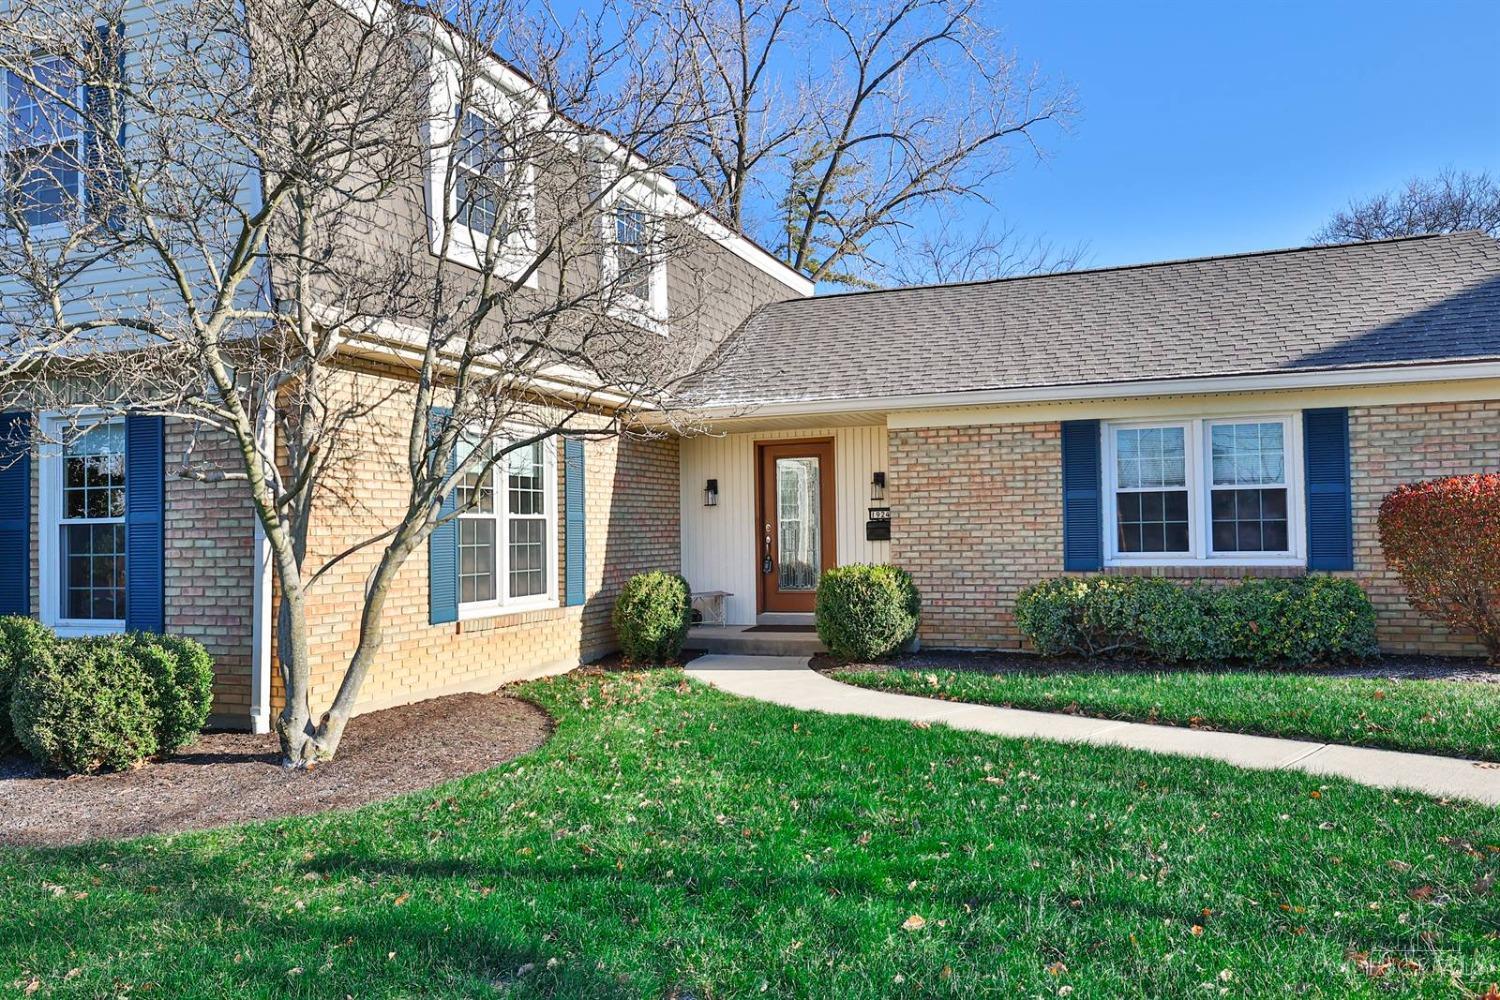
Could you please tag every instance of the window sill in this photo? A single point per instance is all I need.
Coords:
(641, 314)
(511, 260)
(1207, 569)
(489, 619)
(76, 629)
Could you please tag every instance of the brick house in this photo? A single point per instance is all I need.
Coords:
(1214, 418)
(1202, 419)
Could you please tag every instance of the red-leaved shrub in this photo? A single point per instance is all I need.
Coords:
(1443, 538)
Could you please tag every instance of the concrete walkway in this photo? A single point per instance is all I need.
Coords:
(788, 680)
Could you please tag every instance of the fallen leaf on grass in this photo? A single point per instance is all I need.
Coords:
(913, 923)
(1420, 893)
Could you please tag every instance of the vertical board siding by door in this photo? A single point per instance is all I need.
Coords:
(721, 545)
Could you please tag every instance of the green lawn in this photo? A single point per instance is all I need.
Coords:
(1443, 717)
(673, 842)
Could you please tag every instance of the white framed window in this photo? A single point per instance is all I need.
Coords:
(634, 266)
(82, 526)
(1217, 489)
(44, 142)
(480, 168)
(480, 190)
(507, 532)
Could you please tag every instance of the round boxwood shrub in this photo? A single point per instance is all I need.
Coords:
(86, 707)
(866, 612)
(182, 682)
(651, 617)
(20, 638)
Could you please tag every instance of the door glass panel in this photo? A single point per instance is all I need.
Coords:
(799, 533)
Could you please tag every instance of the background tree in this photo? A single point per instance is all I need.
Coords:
(1451, 202)
(237, 181)
(841, 128)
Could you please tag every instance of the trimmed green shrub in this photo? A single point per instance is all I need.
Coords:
(866, 612)
(182, 682)
(651, 617)
(86, 707)
(1297, 622)
(20, 638)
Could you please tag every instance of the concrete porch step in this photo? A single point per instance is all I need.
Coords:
(739, 639)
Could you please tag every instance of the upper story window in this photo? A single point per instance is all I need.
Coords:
(479, 178)
(507, 532)
(43, 141)
(1203, 489)
(635, 270)
(633, 251)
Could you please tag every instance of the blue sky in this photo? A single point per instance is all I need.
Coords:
(1215, 126)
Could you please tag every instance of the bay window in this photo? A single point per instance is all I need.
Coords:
(507, 531)
(1210, 489)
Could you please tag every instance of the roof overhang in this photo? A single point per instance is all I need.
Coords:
(861, 408)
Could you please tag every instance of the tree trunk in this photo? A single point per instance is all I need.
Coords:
(299, 744)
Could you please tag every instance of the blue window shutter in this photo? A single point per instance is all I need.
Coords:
(15, 513)
(1330, 516)
(145, 541)
(1083, 528)
(442, 551)
(577, 539)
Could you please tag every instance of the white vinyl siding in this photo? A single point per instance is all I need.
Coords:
(719, 544)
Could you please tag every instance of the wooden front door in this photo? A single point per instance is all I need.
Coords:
(794, 515)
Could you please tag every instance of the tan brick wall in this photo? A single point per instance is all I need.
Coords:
(978, 515)
(1391, 445)
(210, 563)
(632, 511)
(208, 558)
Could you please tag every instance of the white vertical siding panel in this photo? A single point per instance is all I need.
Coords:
(721, 545)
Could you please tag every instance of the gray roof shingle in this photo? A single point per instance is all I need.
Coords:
(1415, 300)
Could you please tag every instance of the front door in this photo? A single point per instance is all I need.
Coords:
(795, 520)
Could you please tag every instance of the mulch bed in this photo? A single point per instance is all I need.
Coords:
(1426, 668)
(235, 777)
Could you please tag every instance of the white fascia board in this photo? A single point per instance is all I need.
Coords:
(393, 339)
(1206, 385)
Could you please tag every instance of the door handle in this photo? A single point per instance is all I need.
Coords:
(766, 566)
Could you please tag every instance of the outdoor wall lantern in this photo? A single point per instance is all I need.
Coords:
(711, 493)
(877, 486)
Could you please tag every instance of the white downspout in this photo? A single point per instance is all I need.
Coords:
(260, 629)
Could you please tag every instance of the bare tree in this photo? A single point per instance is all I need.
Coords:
(1451, 202)
(214, 221)
(949, 253)
(900, 107)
